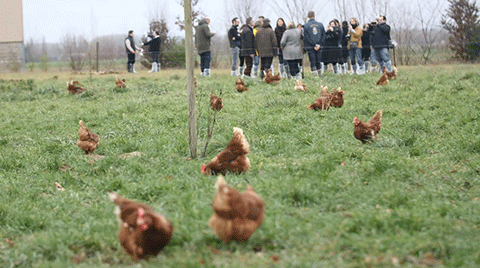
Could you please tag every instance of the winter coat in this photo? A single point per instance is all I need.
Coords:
(380, 36)
(203, 36)
(248, 41)
(132, 44)
(356, 36)
(154, 44)
(233, 33)
(278, 34)
(291, 44)
(331, 38)
(265, 41)
(313, 34)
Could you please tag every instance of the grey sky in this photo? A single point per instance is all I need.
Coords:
(53, 19)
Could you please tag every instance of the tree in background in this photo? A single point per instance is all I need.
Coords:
(75, 49)
(427, 17)
(295, 10)
(196, 15)
(462, 22)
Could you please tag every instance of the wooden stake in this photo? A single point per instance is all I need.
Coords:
(192, 121)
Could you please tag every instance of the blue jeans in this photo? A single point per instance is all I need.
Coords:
(355, 55)
(256, 60)
(382, 55)
(235, 55)
(315, 57)
(205, 59)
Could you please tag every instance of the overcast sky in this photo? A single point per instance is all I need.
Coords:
(52, 19)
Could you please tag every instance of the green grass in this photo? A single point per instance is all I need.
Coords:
(330, 200)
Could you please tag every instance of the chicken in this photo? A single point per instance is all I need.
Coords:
(87, 141)
(233, 158)
(392, 74)
(73, 88)
(236, 215)
(120, 83)
(300, 86)
(322, 102)
(383, 80)
(143, 232)
(240, 85)
(366, 131)
(215, 103)
(270, 78)
(337, 97)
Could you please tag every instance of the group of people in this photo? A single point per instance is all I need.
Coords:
(257, 42)
(154, 48)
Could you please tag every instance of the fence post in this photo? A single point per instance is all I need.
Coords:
(98, 45)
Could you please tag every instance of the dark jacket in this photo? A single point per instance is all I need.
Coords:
(265, 41)
(279, 30)
(366, 38)
(331, 38)
(233, 33)
(203, 36)
(380, 36)
(132, 44)
(154, 45)
(313, 34)
(248, 41)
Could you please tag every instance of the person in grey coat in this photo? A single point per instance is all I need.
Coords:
(202, 42)
(292, 49)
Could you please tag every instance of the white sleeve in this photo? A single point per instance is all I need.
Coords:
(129, 46)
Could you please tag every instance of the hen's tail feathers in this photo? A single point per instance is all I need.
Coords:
(377, 117)
(239, 139)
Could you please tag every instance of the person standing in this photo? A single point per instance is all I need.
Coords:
(235, 44)
(366, 50)
(314, 37)
(256, 59)
(248, 46)
(355, 46)
(266, 45)
(344, 43)
(380, 42)
(292, 49)
(154, 49)
(203, 35)
(279, 30)
(331, 53)
(130, 48)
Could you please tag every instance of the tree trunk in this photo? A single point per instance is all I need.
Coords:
(192, 121)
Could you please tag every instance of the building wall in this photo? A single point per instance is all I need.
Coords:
(11, 57)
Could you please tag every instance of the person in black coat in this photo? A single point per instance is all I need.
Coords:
(366, 49)
(331, 53)
(279, 30)
(154, 48)
(235, 44)
(344, 42)
(248, 46)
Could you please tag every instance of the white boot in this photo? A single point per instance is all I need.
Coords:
(154, 67)
(361, 70)
(367, 66)
(322, 68)
(298, 76)
(240, 70)
(157, 69)
(207, 72)
(315, 73)
(234, 73)
(273, 70)
(255, 71)
(133, 68)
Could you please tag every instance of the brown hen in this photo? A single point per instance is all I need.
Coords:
(383, 79)
(337, 97)
(120, 83)
(236, 215)
(322, 102)
(240, 85)
(300, 86)
(73, 88)
(215, 103)
(366, 131)
(233, 158)
(87, 140)
(143, 232)
(392, 74)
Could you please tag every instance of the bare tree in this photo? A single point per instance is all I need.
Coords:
(196, 14)
(76, 51)
(427, 17)
(341, 9)
(243, 9)
(295, 10)
(403, 34)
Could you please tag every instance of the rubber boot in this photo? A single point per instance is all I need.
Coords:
(154, 67)
(255, 71)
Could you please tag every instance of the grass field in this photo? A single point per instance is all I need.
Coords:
(409, 199)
